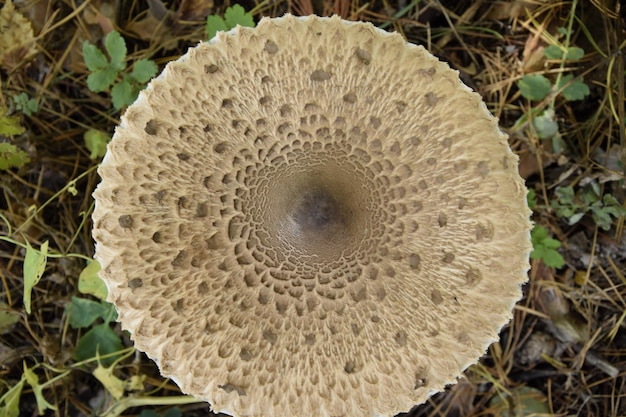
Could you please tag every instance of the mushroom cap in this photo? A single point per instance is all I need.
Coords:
(311, 217)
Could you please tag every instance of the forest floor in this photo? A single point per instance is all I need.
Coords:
(553, 73)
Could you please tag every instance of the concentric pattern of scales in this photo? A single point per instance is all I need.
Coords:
(311, 218)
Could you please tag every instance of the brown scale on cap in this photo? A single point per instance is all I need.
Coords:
(311, 217)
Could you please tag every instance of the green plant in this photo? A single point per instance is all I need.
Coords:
(10, 401)
(574, 205)
(101, 339)
(25, 104)
(111, 72)
(545, 248)
(233, 16)
(537, 87)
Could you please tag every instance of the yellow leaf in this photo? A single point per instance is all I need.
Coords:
(135, 383)
(34, 267)
(90, 283)
(113, 384)
(17, 39)
(33, 381)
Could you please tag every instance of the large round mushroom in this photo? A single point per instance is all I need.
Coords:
(311, 217)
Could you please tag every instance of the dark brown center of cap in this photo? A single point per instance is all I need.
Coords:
(319, 211)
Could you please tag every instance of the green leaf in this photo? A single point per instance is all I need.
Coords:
(148, 413)
(12, 157)
(236, 15)
(26, 105)
(565, 195)
(116, 47)
(602, 218)
(563, 81)
(30, 107)
(122, 94)
(100, 340)
(10, 401)
(89, 282)
(33, 381)
(214, 24)
(563, 211)
(143, 71)
(553, 52)
(590, 196)
(531, 199)
(10, 125)
(609, 200)
(173, 412)
(534, 86)
(574, 53)
(96, 141)
(34, 267)
(550, 243)
(563, 31)
(84, 312)
(577, 90)
(101, 80)
(544, 248)
(545, 125)
(538, 234)
(94, 58)
(553, 259)
(574, 218)
(7, 318)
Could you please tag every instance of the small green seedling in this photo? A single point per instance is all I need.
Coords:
(545, 248)
(233, 16)
(574, 205)
(111, 72)
(538, 88)
(25, 104)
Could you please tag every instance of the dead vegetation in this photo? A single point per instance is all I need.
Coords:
(564, 353)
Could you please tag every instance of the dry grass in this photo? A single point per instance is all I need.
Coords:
(568, 338)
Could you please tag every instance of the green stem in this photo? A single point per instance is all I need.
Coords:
(129, 402)
(568, 35)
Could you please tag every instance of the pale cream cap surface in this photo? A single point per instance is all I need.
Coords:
(311, 218)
